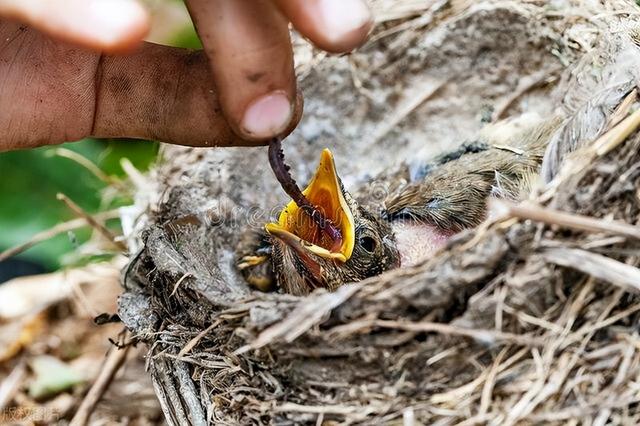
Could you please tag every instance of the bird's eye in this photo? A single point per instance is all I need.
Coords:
(368, 244)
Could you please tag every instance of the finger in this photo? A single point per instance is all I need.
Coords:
(110, 25)
(161, 93)
(336, 26)
(65, 94)
(248, 44)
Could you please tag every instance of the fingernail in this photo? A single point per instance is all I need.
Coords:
(343, 17)
(268, 115)
(115, 17)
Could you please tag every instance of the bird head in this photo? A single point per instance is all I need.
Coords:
(304, 257)
(449, 199)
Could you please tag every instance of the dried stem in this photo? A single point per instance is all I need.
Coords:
(92, 221)
(54, 231)
(482, 335)
(115, 360)
(566, 220)
(11, 384)
(86, 163)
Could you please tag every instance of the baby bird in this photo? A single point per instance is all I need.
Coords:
(452, 193)
(302, 257)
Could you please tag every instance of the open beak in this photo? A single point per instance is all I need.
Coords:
(297, 229)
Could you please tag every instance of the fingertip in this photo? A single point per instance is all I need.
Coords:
(107, 25)
(336, 26)
(251, 60)
(343, 25)
(116, 25)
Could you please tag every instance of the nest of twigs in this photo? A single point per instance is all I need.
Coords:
(531, 318)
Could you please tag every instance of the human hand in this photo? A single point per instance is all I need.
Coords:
(240, 91)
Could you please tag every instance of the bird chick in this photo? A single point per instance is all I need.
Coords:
(453, 192)
(304, 258)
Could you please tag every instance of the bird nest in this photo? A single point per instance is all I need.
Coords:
(530, 318)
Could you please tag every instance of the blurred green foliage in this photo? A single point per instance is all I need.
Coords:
(32, 178)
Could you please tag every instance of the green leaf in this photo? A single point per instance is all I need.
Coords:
(52, 377)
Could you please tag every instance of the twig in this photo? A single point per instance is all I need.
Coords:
(404, 110)
(525, 86)
(410, 22)
(193, 342)
(92, 221)
(115, 359)
(56, 230)
(442, 355)
(138, 179)
(165, 391)
(582, 410)
(617, 135)
(290, 407)
(623, 109)
(530, 319)
(461, 392)
(177, 284)
(302, 318)
(397, 11)
(483, 335)
(490, 382)
(188, 394)
(11, 384)
(536, 213)
(601, 146)
(84, 162)
(600, 267)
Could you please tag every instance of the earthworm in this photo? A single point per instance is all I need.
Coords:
(289, 185)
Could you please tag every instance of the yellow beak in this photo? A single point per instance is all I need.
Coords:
(295, 226)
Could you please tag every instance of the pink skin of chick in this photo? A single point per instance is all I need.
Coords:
(417, 242)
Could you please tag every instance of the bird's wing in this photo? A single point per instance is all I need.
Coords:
(597, 86)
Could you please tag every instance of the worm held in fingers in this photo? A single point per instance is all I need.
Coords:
(289, 185)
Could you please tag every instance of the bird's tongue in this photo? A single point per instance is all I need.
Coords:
(417, 242)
